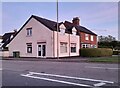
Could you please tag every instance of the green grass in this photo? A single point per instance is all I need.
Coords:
(112, 59)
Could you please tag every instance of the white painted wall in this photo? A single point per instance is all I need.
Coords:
(40, 33)
(68, 38)
(4, 53)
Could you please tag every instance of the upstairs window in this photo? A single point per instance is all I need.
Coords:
(86, 37)
(29, 47)
(73, 47)
(62, 28)
(29, 31)
(91, 37)
(62, 31)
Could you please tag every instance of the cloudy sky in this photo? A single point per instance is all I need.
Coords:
(100, 17)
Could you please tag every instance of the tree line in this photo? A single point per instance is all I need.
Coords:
(113, 44)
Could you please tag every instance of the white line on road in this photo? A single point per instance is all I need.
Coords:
(0, 69)
(99, 84)
(102, 68)
(53, 80)
(70, 77)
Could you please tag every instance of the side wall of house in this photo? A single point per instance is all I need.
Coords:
(68, 39)
(40, 34)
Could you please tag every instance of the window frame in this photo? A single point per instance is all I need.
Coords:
(29, 31)
(86, 46)
(86, 36)
(29, 46)
(62, 31)
(73, 49)
(63, 46)
(92, 38)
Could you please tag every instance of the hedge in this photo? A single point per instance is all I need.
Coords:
(95, 52)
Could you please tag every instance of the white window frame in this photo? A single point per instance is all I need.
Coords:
(92, 38)
(74, 31)
(62, 31)
(85, 45)
(29, 48)
(73, 47)
(86, 36)
(29, 31)
(63, 47)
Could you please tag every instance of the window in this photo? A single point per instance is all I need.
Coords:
(74, 31)
(62, 31)
(86, 37)
(62, 28)
(63, 47)
(73, 47)
(29, 47)
(29, 31)
(91, 37)
(85, 45)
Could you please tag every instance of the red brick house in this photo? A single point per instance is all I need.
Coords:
(88, 39)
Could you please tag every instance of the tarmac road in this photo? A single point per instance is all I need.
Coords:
(48, 73)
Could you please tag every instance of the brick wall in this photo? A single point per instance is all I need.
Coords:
(94, 42)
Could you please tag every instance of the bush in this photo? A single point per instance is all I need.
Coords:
(115, 52)
(95, 52)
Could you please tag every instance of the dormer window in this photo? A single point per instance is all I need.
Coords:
(74, 31)
(62, 31)
(62, 28)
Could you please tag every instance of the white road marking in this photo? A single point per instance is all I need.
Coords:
(0, 69)
(53, 80)
(99, 84)
(70, 77)
(102, 67)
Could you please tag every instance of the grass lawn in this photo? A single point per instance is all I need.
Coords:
(112, 59)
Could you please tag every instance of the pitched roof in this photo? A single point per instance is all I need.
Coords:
(48, 23)
(70, 25)
(52, 25)
(7, 38)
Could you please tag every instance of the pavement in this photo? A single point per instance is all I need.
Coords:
(53, 74)
(70, 59)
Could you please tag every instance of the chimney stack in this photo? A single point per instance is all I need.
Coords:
(76, 21)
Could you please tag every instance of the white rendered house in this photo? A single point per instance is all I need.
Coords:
(38, 38)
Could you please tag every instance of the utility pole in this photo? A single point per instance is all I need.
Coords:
(57, 34)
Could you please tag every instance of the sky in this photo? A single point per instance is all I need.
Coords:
(99, 17)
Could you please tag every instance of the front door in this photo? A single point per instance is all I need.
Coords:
(41, 50)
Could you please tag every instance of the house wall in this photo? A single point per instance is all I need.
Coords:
(40, 33)
(67, 38)
(94, 42)
(4, 53)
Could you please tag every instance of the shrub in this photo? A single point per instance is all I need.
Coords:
(95, 52)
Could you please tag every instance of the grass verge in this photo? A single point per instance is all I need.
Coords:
(112, 59)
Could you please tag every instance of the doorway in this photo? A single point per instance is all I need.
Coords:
(41, 50)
